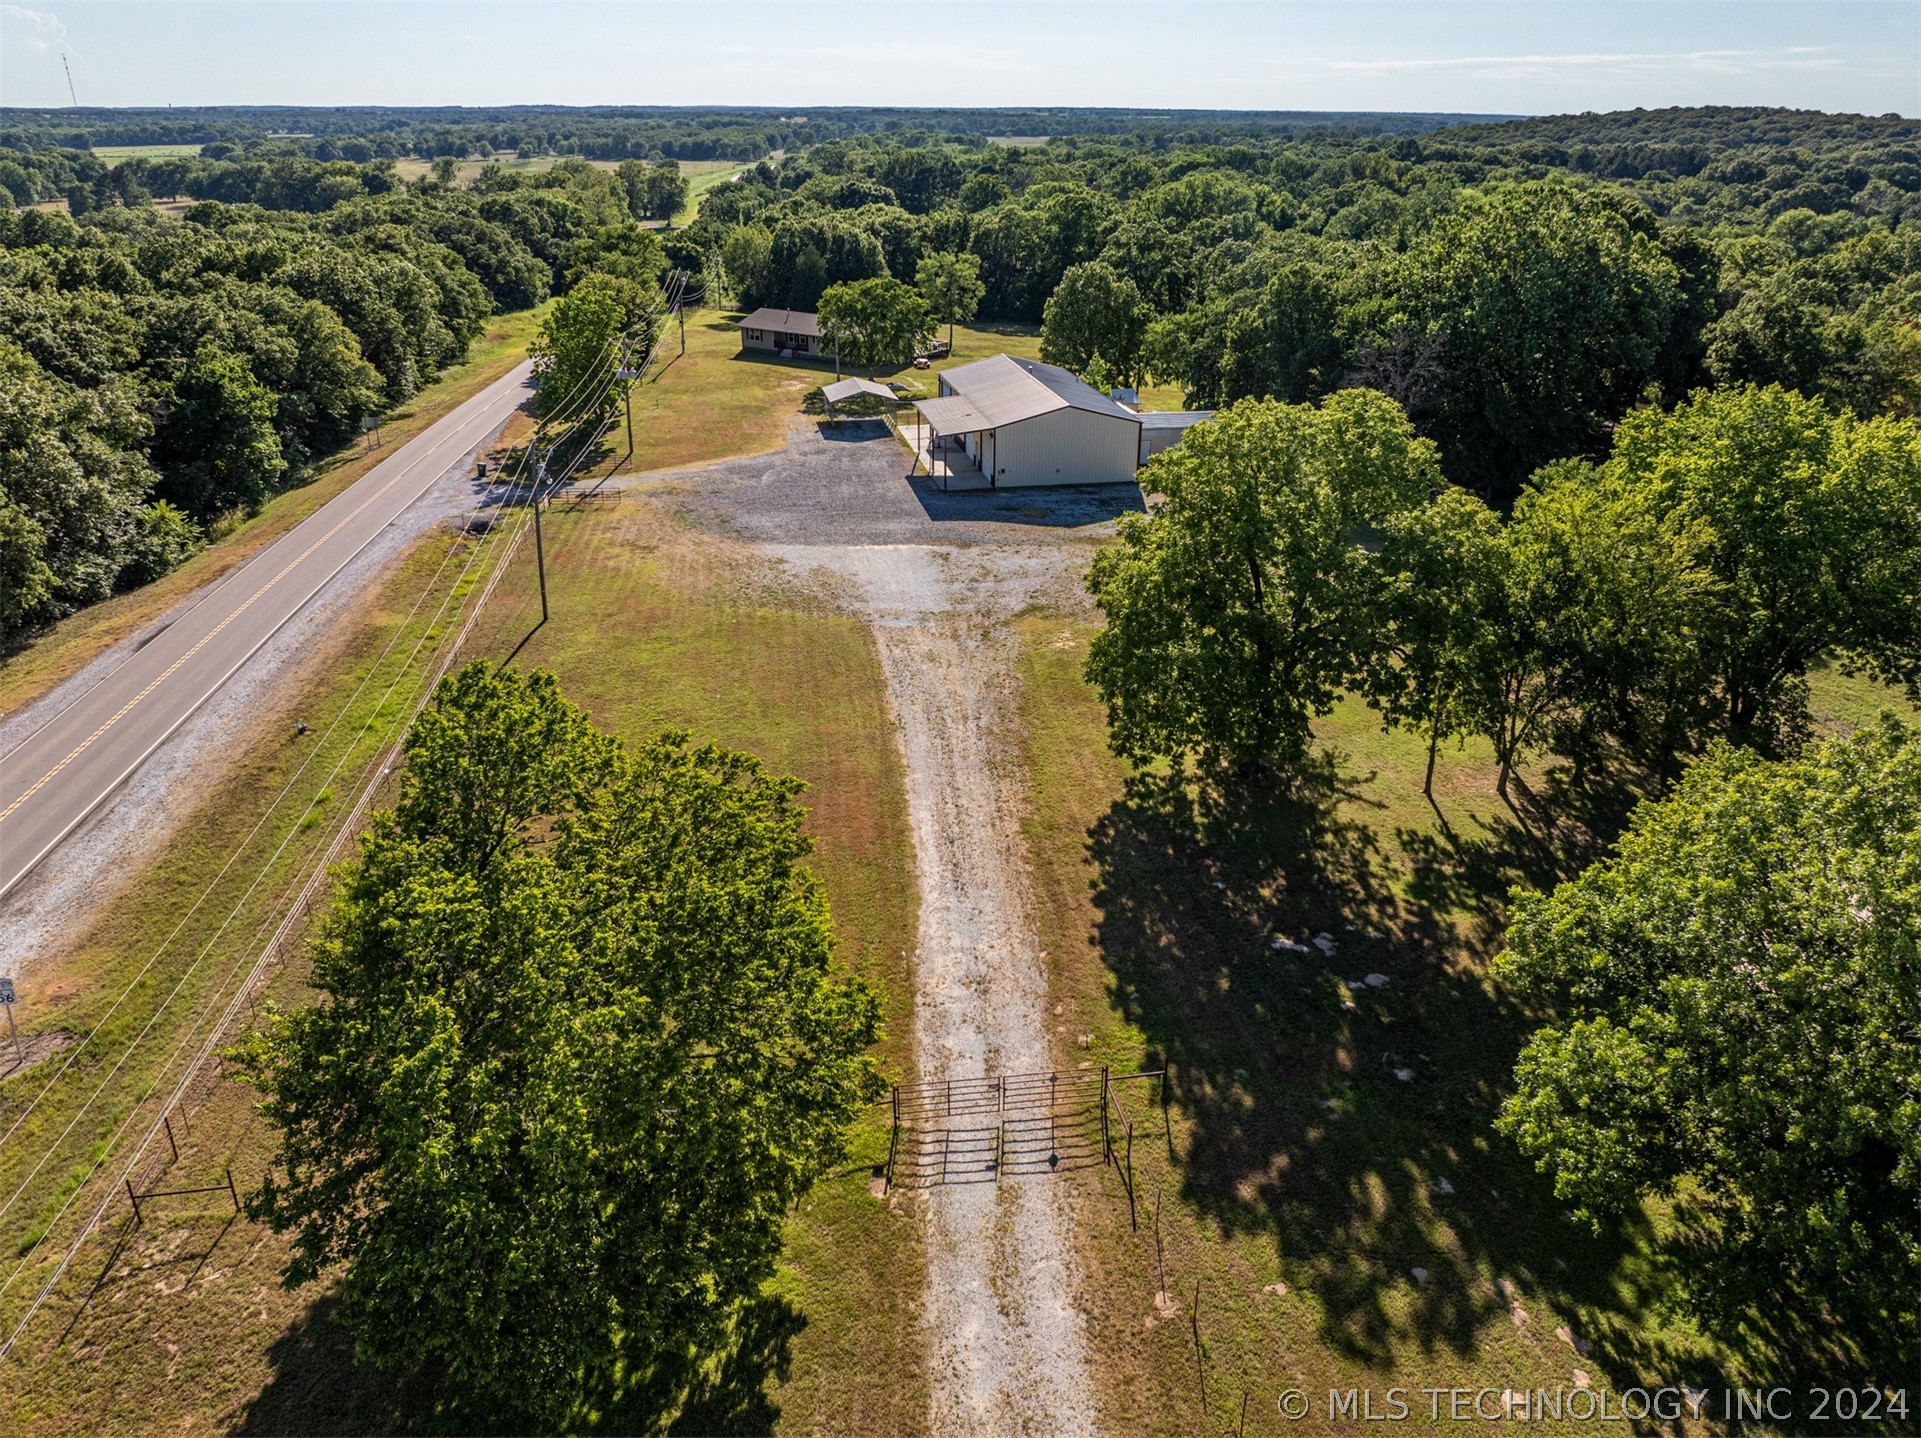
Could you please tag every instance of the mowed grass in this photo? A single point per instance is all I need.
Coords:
(655, 627)
(183, 1316)
(65, 647)
(714, 402)
(1329, 1140)
(114, 154)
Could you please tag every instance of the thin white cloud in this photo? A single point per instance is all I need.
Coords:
(45, 28)
(1805, 57)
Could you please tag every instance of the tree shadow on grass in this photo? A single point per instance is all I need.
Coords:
(1555, 830)
(320, 1387)
(1346, 1120)
(1350, 1123)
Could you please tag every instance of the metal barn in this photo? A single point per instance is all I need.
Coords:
(1006, 423)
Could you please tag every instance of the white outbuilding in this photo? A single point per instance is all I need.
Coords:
(1004, 423)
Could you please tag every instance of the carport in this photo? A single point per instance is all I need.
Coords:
(842, 390)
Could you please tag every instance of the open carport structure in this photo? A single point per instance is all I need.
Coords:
(1004, 422)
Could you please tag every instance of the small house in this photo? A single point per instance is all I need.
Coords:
(781, 332)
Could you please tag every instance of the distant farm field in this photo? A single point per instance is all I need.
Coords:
(114, 154)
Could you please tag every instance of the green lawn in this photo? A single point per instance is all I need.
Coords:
(1301, 1156)
(653, 626)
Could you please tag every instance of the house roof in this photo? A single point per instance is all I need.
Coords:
(845, 389)
(1175, 418)
(1005, 390)
(787, 322)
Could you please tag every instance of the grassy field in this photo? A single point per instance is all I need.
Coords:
(114, 154)
(182, 1314)
(1347, 1226)
(67, 646)
(655, 627)
(652, 627)
(702, 176)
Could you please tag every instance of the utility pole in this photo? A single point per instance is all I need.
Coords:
(627, 390)
(540, 549)
(680, 313)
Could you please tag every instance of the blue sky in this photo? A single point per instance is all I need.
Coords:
(1502, 56)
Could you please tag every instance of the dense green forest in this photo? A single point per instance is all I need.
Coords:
(164, 373)
(619, 132)
(1515, 287)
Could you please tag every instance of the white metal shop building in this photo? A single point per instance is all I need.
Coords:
(1007, 423)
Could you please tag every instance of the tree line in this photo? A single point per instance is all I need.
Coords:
(1727, 1010)
(164, 375)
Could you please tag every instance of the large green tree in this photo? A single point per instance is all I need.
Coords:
(1736, 1024)
(1551, 304)
(874, 322)
(951, 284)
(1095, 312)
(1444, 569)
(1810, 526)
(579, 1048)
(1250, 595)
(577, 354)
(217, 446)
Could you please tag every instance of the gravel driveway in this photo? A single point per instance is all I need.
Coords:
(939, 578)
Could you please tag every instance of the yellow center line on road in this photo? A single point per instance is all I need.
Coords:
(212, 634)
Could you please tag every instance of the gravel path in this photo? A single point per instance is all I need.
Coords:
(1003, 1326)
(939, 579)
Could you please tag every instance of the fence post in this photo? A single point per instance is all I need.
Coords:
(1167, 1126)
(134, 1198)
(1160, 1257)
(1132, 1215)
(168, 1126)
(893, 1143)
(1200, 1364)
(231, 1193)
(1107, 1142)
(1241, 1432)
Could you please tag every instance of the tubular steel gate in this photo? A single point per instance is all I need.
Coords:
(981, 1130)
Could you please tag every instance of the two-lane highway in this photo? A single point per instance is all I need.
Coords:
(62, 772)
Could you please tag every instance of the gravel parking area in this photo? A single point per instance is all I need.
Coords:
(847, 482)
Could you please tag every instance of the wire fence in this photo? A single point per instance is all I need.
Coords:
(157, 1151)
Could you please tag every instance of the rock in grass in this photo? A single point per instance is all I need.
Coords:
(1404, 1075)
(1376, 981)
(1419, 1274)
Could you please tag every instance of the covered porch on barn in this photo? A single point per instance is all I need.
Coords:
(948, 439)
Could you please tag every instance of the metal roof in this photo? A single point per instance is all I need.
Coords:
(846, 389)
(952, 414)
(787, 322)
(1005, 390)
(1174, 419)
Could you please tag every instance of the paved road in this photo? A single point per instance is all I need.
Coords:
(59, 774)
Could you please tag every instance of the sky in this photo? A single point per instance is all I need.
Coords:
(1476, 56)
